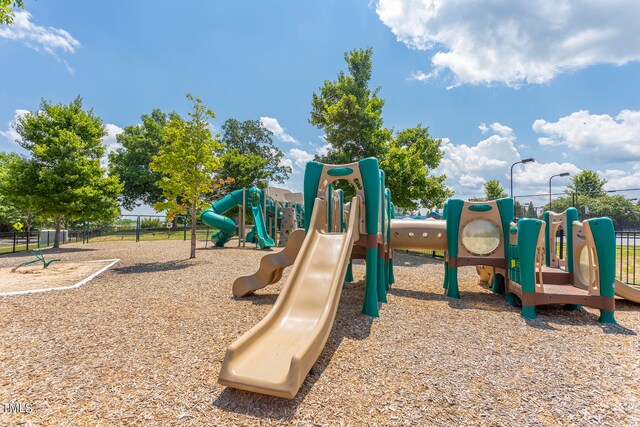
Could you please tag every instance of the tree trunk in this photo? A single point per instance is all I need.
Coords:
(56, 239)
(193, 228)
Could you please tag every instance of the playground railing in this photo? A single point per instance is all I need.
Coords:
(627, 257)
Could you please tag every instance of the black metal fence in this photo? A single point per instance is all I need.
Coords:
(628, 252)
(19, 241)
(126, 228)
(622, 206)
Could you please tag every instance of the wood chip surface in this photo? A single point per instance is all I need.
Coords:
(142, 344)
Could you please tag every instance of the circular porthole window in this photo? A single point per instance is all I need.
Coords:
(480, 237)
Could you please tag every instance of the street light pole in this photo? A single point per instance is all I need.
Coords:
(553, 176)
(525, 161)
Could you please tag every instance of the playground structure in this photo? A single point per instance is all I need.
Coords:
(585, 276)
(275, 356)
(273, 214)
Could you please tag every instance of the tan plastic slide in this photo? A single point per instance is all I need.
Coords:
(631, 293)
(271, 267)
(275, 356)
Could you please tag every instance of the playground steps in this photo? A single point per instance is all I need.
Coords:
(555, 276)
(563, 294)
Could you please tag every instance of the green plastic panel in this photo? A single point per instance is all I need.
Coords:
(349, 275)
(607, 317)
(528, 312)
(547, 246)
(387, 194)
(343, 225)
(330, 207)
(383, 220)
(452, 287)
(341, 171)
(392, 210)
(604, 237)
(382, 285)
(505, 207)
(370, 172)
(453, 210)
(528, 232)
(312, 174)
(571, 215)
(480, 208)
(370, 305)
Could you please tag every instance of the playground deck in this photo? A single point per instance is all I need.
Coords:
(143, 344)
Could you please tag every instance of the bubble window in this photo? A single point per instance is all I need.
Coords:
(480, 237)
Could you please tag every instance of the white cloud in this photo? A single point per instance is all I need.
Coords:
(297, 160)
(534, 177)
(11, 134)
(421, 76)
(622, 179)
(110, 143)
(602, 135)
(515, 43)
(285, 161)
(274, 126)
(42, 39)
(323, 150)
(300, 157)
(469, 167)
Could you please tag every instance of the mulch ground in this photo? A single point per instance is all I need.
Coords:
(142, 344)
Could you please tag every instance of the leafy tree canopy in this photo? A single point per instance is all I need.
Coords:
(588, 183)
(624, 213)
(188, 162)
(408, 158)
(493, 190)
(9, 214)
(350, 114)
(250, 157)
(62, 177)
(140, 142)
(531, 210)
(7, 11)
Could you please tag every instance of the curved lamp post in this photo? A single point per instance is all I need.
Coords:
(553, 176)
(525, 161)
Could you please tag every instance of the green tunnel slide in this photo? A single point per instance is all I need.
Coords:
(214, 217)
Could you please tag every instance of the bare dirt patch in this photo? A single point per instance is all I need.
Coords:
(56, 275)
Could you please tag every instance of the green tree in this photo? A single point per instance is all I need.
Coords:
(588, 183)
(7, 11)
(250, 157)
(350, 114)
(620, 209)
(409, 158)
(16, 178)
(140, 142)
(188, 163)
(493, 190)
(9, 214)
(62, 175)
(531, 211)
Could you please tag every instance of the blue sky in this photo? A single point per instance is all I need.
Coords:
(497, 81)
